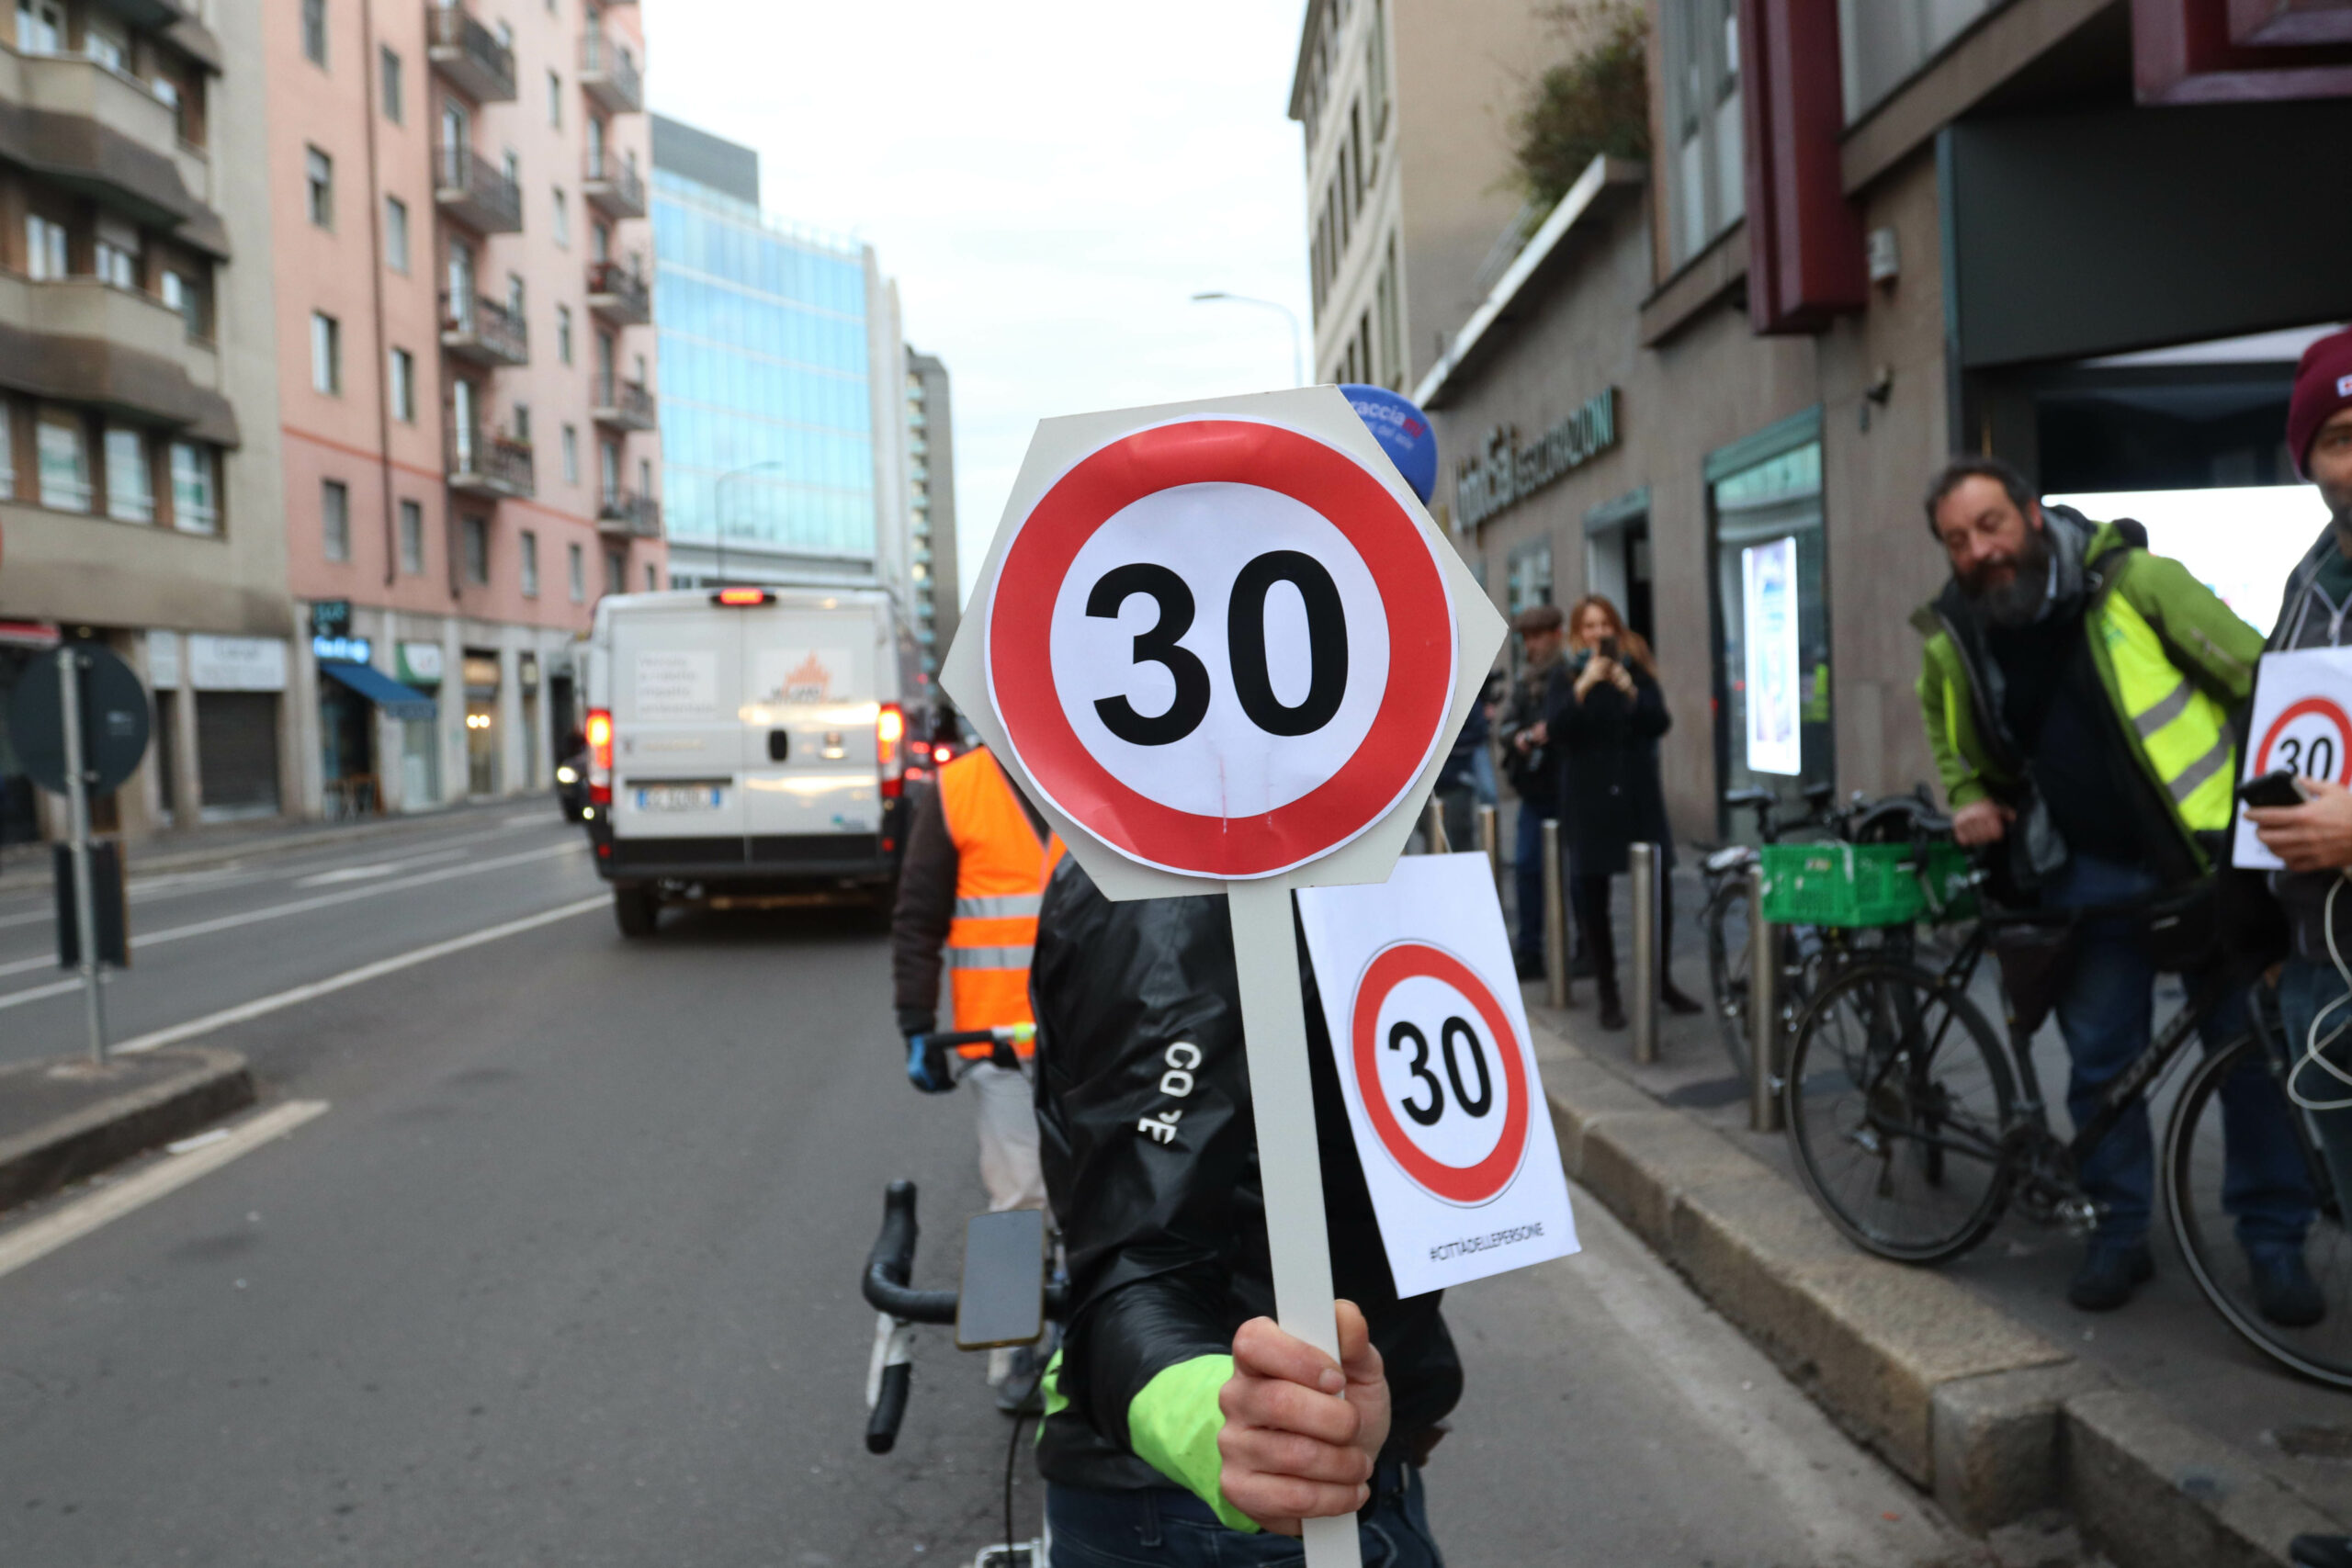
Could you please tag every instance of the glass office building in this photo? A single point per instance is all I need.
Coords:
(767, 424)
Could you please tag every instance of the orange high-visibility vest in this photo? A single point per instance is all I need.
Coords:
(1000, 871)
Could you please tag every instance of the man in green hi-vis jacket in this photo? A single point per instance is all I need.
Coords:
(2078, 693)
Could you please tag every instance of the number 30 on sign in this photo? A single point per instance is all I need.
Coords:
(2302, 721)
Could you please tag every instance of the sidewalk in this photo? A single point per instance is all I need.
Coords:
(2160, 1395)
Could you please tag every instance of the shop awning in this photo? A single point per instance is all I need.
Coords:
(396, 700)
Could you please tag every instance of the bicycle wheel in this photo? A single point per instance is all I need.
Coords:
(2201, 1222)
(1898, 1100)
(1725, 922)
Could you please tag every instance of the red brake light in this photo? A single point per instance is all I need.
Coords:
(943, 754)
(599, 734)
(889, 729)
(739, 596)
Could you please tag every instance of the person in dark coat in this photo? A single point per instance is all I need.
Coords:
(1534, 769)
(1604, 712)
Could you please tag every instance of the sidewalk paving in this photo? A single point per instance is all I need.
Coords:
(63, 1120)
(2182, 1391)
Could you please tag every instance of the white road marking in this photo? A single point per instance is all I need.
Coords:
(370, 872)
(41, 993)
(244, 1011)
(140, 943)
(116, 1199)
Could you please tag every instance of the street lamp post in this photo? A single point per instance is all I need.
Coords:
(1298, 332)
(718, 499)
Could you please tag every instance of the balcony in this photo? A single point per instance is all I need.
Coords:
(109, 133)
(480, 330)
(468, 55)
(622, 405)
(619, 294)
(495, 467)
(613, 187)
(624, 514)
(471, 190)
(81, 340)
(609, 74)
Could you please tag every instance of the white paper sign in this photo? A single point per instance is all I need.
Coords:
(677, 685)
(1431, 1040)
(2302, 721)
(1768, 628)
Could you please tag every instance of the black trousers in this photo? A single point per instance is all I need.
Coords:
(1588, 896)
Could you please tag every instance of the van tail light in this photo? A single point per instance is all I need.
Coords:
(600, 756)
(889, 748)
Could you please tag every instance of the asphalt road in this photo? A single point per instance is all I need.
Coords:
(565, 1272)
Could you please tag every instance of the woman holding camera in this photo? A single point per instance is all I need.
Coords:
(1605, 714)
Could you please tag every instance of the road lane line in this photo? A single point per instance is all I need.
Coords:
(113, 1200)
(244, 1011)
(305, 905)
(41, 993)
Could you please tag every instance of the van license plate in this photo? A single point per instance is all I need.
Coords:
(680, 797)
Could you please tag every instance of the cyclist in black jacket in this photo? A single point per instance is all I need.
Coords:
(1178, 1420)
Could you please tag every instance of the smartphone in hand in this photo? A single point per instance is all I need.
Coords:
(2278, 787)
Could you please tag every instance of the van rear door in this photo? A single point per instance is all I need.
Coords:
(811, 768)
(677, 731)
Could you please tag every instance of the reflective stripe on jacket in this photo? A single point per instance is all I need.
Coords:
(2172, 660)
(1000, 871)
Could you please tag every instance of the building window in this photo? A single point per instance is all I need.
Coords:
(395, 110)
(195, 491)
(318, 175)
(651, 582)
(600, 240)
(530, 564)
(1884, 42)
(62, 448)
(7, 450)
(334, 519)
(102, 43)
(570, 455)
(40, 27)
(515, 302)
(116, 266)
(576, 566)
(411, 537)
(511, 166)
(314, 31)
(563, 219)
(563, 334)
(180, 294)
(521, 420)
(326, 353)
(615, 572)
(44, 248)
(395, 233)
(1706, 175)
(131, 485)
(403, 386)
(555, 100)
(477, 537)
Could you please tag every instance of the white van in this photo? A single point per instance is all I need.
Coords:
(745, 743)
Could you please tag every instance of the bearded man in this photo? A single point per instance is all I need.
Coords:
(2077, 692)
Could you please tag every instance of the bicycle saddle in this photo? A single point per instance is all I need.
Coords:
(1728, 856)
(1752, 795)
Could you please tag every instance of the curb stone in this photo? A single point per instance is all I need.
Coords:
(212, 1083)
(1988, 1415)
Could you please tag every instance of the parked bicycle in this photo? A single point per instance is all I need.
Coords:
(1916, 1126)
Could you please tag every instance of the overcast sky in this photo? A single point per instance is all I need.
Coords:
(1049, 182)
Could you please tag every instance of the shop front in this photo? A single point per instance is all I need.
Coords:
(417, 666)
(484, 739)
(353, 696)
(234, 689)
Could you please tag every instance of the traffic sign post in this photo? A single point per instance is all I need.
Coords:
(80, 730)
(1222, 646)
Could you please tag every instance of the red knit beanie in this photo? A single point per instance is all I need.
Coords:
(2323, 388)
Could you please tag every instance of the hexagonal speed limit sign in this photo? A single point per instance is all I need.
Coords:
(1221, 642)
(1223, 648)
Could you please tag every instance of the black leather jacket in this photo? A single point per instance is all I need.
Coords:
(1167, 1234)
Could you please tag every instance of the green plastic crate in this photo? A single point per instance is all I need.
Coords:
(1863, 885)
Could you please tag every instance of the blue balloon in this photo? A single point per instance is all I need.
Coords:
(1402, 430)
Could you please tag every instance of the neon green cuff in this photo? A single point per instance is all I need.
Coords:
(1173, 1427)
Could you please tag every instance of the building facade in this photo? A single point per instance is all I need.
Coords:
(785, 422)
(2044, 229)
(930, 507)
(141, 499)
(1406, 106)
(465, 379)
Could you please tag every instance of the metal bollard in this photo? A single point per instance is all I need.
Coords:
(1557, 991)
(1490, 841)
(1763, 1012)
(1433, 828)
(1646, 954)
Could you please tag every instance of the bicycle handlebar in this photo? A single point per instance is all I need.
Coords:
(890, 1265)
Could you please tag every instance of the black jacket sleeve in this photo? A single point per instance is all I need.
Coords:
(925, 908)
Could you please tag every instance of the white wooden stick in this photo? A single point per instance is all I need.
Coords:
(1290, 1166)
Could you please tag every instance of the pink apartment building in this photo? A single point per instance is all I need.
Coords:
(463, 293)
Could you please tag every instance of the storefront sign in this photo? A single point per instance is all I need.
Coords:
(417, 663)
(331, 618)
(481, 675)
(1505, 473)
(353, 649)
(236, 663)
(1769, 577)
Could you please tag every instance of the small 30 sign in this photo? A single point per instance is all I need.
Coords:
(2302, 722)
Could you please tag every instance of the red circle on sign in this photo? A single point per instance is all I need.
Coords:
(1407, 727)
(1466, 1184)
(2320, 708)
